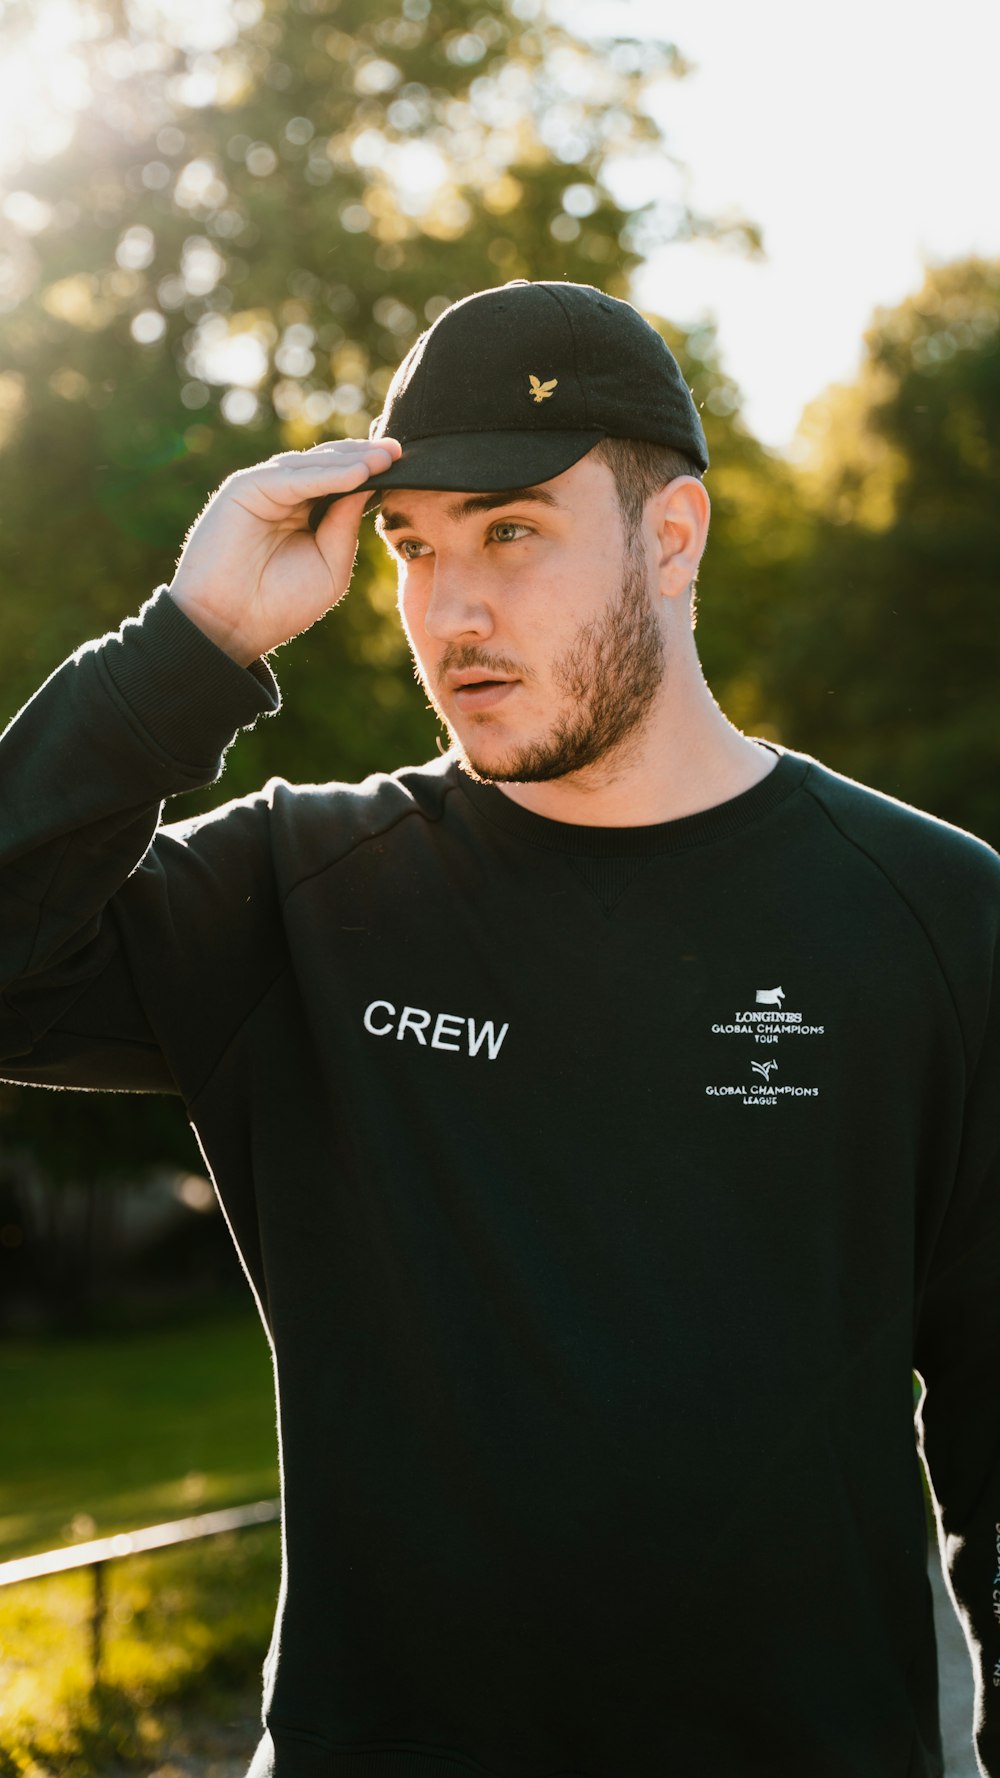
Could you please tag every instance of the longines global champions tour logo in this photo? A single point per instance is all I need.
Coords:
(765, 1022)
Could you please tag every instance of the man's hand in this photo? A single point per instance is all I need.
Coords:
(251, 573)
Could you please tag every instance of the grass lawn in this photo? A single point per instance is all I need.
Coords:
(127, 1429)
(105, 1434)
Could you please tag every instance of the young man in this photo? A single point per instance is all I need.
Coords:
(605, 1113)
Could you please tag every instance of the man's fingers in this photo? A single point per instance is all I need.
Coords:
(331, 478)
(301, 476)
(341, 448)
(332, 471)
(392, 445)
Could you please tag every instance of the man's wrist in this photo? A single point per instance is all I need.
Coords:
(222, 634)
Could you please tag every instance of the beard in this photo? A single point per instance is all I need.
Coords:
(610, 675)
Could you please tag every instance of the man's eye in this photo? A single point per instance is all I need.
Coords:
(409, 549)
(508, 531)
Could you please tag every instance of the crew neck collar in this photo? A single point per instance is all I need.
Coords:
(718, 822)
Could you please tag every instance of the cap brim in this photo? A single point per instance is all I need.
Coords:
(474, 463)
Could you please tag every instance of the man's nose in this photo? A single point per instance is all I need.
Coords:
(457, 605)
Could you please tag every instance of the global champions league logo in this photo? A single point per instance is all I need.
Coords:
(766, 1022)
(764, 1068)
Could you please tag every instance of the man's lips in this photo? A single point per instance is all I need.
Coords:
(476, 688)
(458, 676)
(482, 694)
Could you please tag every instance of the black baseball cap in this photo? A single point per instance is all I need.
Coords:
(511, 386)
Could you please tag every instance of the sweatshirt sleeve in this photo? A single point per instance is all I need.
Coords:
(94, 896)
(957, 1354)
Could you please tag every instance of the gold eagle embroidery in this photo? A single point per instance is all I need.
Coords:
(541, 391)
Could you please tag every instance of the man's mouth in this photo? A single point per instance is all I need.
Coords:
(476, 688)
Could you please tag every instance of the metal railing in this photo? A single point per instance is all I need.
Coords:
(96, 1554)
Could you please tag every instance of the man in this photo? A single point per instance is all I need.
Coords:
(605, 1113)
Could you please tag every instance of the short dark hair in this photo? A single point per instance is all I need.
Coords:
(640, 468)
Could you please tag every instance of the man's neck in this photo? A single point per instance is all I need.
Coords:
(685, 760)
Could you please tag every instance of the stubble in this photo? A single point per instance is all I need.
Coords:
(609, 677)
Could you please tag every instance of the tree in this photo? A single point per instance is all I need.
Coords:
(229, 260)
(886, 658)
(211, 274)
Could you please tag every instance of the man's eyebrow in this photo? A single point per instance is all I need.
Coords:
(393, 519)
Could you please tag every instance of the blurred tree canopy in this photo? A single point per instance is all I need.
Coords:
(229, 259)
(232, 257)
(884, 652)
(235, 251)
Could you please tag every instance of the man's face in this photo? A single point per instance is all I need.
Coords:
(534, 631)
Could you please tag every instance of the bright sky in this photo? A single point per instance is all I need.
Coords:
(862, 137)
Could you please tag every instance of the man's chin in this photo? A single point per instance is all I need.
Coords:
(485, 759)
(518, 770)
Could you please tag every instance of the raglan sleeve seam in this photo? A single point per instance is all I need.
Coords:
(850, 840)
(411, 812)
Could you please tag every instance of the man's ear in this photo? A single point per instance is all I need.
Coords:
(679, 515)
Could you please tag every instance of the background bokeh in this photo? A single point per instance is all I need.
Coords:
(218, 236)
(217, 242)
(208, 254)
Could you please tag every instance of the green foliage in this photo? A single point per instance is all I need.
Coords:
(887, 651)
(105, 1435)
(133, 1431)
(197, 285)
(281, 228)
(206, 277)
(183, 1624)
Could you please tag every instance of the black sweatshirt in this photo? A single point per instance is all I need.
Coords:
(599, 1189)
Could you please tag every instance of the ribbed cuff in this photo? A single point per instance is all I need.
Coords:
(188, 695)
